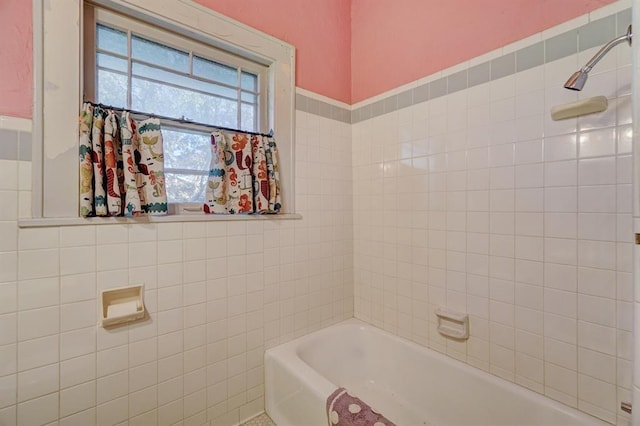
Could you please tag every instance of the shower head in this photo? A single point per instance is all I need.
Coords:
(579, 78)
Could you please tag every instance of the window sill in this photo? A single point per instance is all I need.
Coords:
(79, 221)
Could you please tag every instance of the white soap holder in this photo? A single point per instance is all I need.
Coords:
(577, 109)
(453, 324)
(121, 305)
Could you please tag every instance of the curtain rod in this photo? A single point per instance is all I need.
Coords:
(179, 120)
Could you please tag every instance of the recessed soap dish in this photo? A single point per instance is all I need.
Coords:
(453, 324)
(121, 305)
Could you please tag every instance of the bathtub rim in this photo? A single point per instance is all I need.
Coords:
(287, 356)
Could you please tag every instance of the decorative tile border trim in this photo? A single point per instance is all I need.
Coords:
(15, 145)
(323, 109)
(592, 34)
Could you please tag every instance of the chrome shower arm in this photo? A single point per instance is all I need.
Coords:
(579, 78)
(606, 48)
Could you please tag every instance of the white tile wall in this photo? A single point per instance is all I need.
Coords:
(479, 202)
(218, 294)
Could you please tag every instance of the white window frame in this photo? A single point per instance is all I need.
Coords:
(58, 83)
(95, 15)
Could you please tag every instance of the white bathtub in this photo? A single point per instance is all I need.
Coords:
(409, 384)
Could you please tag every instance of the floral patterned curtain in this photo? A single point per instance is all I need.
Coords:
(121, 164)
(244, 177)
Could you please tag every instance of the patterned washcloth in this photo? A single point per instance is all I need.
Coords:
(344, 409)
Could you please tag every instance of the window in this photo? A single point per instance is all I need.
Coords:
(139, 67)
(67, 69)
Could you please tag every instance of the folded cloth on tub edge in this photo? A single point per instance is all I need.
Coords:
(344, 409)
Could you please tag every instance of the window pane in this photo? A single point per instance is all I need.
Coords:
(174, 102)
(249, 121)
(215, 71)
(155, 53)
(112, 62)
(186, 150)
(112, 88)
(181, 80)
(249, 98)
(111, 39)
(185, 188)
(249, 81)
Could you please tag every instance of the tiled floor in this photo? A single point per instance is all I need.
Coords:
(261, 420)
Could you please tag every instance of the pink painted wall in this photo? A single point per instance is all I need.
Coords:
(320, 30)
(396, 42)
(16, 78)
(348, 50)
